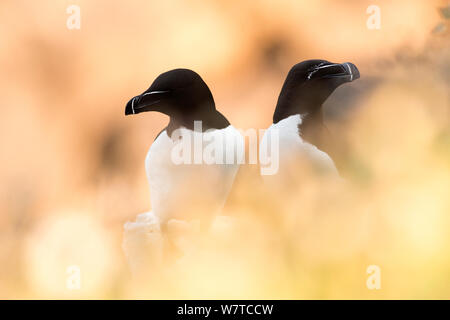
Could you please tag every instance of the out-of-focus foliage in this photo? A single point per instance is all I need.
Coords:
(72, 166)
(442, 27)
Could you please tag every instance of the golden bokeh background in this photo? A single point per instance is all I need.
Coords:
(72, 165)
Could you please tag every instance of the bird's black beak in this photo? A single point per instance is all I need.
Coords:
(148, 101)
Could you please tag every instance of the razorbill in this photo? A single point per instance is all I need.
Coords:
(186, 184)
(298, 116)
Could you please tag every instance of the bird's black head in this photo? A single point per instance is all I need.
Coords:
(308, 84)
(179, 93)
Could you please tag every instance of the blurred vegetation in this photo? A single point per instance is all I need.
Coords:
(72, 165)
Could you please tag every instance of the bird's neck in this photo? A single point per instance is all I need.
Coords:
(293, 101)
(312, 127)
(212, 119)
(300, 102)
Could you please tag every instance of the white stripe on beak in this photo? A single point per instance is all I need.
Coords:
(132, 105)
(153, 92)
(321, 66)
(349, 70)
(327, 66)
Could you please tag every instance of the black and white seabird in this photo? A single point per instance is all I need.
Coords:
(193, 190)
(298, 116)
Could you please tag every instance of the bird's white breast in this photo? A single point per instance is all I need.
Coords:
(293, 151)
(189, 191)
